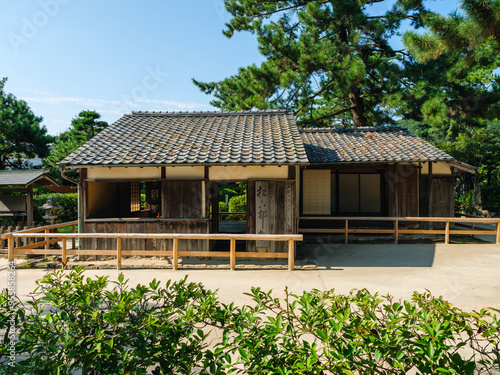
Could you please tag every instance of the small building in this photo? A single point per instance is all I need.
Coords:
(160, 173)
(13, 204)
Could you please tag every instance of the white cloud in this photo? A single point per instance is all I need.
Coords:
(93, 102)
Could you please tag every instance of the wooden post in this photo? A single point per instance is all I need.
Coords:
(447, 233)
(73, 240)
(17, 241)
(214, 198)
(396, 231)
(64, 255)
(175, 253)
(29, 206)
(498, 233)
(232, 255)
(429, 176)
(25, 239)
(47, 240)
(118, 253)
(10, 244)
(346, 231)
(395, 208)
(291, 255)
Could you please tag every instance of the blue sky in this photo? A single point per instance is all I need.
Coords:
(64, 56)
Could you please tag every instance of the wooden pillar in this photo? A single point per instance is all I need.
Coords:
(214, 198)
(395, 192)
(64, 257)
(118, 253)
(29, 205)
(291, 255)
(430, 183)
(10, 242)
(232, 254)
(82, 208)
(346, 231)
(175, 254)
(396, 231)
(47, 243)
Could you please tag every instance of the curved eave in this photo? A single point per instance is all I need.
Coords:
(142, 165)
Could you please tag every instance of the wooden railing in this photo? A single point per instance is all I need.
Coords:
(174, 253)
(396, 230)
(27, 234)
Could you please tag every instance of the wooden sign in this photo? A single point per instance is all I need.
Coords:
(262, 212)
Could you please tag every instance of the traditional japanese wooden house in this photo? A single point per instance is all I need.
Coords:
(160, 173)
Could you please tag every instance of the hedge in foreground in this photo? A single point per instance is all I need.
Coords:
(106, 327)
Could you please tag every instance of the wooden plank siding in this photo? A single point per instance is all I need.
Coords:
(133, 244)
(404, 179)
(184, 199)
(443, 196)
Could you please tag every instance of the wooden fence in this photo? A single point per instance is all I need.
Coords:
(396, 230)
(50, 238)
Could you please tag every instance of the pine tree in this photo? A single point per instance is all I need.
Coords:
(466, 32)
(328, 61)
(21, 134)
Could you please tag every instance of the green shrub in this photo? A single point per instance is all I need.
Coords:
(238, 204)
(76, 323)
(68, 203)
(96, 326)
(463, 203)
(223, 207)
(359, 333)
(226, 191)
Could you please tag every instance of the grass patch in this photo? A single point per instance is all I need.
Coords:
(68, 229)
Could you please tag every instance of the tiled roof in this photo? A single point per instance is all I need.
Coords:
(359, 145)
(160, 138)
(26, 177)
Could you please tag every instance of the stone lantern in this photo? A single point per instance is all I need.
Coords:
(48, 209)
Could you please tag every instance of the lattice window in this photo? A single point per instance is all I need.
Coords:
(135, 196)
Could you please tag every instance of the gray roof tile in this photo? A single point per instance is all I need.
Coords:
(26, 177)
(351, 145)
(250, 137)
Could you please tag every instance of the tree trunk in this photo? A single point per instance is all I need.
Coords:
(358, 110)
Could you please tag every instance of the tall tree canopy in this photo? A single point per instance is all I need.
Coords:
(454, 85)
(21, 133)
(454, 95)
(467, 32)
(328, 61)
(83, 127)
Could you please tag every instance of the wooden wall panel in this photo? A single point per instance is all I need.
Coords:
(407, 191)
(183, 199)
(402, 191)
(146, 227)
(443, 196)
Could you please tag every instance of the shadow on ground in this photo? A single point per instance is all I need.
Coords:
(333, 256)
